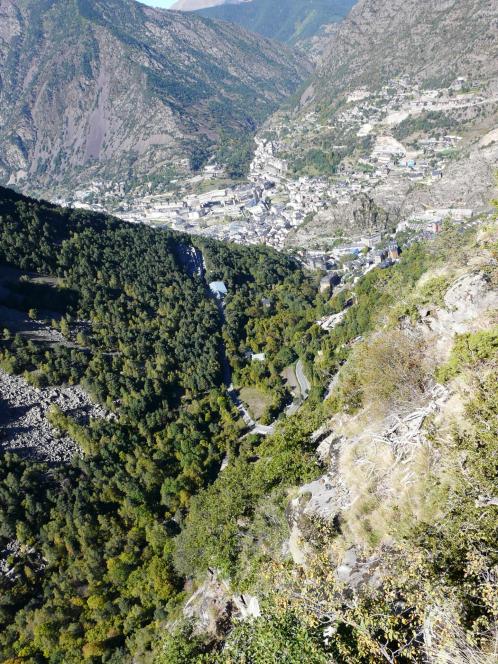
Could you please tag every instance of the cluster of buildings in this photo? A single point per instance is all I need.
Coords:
(431, 220)
(348, 263)
(263, 210)
(272, 203)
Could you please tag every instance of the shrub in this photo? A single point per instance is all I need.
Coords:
(468, 351)
(388, 373)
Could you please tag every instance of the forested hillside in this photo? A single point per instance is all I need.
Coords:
(386, 550)
(357, 554)
(290, 21)
(216, 453)
(89, 547)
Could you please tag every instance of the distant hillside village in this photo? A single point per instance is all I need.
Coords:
(275, 201)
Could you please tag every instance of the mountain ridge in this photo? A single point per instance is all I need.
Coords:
(433, 41)
(193, 5)
(119, 90)
(291, 21)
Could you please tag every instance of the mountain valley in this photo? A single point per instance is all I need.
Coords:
(138, 92)
(249, 332)
(291, 21)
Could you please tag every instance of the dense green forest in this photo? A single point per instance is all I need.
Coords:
(108, 547)
(145, 339)
(273, 324)
(235, 152)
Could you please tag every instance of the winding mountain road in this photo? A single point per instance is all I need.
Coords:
(304, 383)
(193, 261)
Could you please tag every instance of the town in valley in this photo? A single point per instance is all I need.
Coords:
(274, 202)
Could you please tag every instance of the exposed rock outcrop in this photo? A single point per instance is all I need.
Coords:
(24, 427)
(380, 40)
(469, 304)
(213, 606)
(363, 215)
(377, 466)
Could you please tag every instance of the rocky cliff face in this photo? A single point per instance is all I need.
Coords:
(376, 464)
(436, 48)
(108, 89)
(433, 40)
(388, 476)
(361, 215)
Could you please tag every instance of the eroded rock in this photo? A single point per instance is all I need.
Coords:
(24, 427)
(214, 606)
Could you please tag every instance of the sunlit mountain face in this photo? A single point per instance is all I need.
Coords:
(113, 88)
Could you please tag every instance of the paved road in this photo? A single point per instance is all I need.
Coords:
(304, 383)
(197, 263)
(252, 424)
(194, 260)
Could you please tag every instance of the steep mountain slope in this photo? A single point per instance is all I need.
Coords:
(423, 76)
(122, 313)
(435, 41)
(386, 554)
(285, 20)
(112, 88)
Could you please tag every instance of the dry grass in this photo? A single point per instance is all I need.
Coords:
(389, 373)
(256, 400)
(446, 642)
(388, 493)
